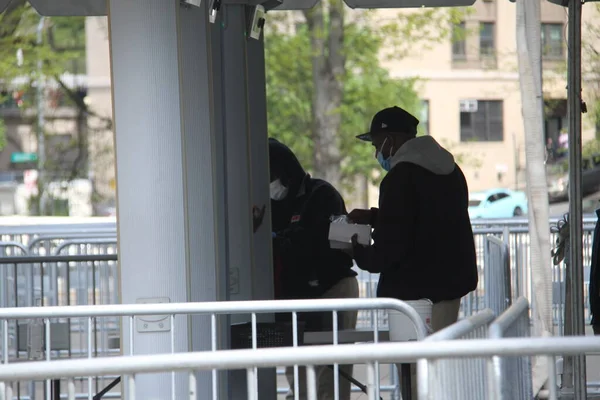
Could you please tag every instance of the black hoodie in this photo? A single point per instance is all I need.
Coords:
(301, 224)
(423, 241)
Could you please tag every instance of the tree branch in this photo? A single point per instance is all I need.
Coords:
(337, 59)
(9, 20)
(80, 103)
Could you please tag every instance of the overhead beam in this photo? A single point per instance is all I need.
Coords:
(89, 8)
(70, 8)
(407, 3)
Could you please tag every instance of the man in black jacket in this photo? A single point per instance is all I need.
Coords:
(305, 265)
(423, 240)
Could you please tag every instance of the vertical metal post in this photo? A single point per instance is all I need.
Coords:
(41, 147)
(575, 197)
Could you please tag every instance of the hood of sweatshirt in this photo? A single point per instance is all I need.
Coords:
(425, 152)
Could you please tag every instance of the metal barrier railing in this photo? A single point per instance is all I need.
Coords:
(496, 271)
(43, 239)
(511, 377)
(85, 287)
(46, 322)
(456, 378)
(83, 243)
(58, 280)
(188, 365)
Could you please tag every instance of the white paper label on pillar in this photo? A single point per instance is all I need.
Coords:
(234, 281)
(192, 2)
(258, 22)
(153, 323)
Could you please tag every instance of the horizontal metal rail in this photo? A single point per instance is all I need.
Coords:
(464, 326)
(58, 258)
(312, 355)
(218, 307)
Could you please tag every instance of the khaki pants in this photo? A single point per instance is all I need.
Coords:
(346, 288)
(443, 314)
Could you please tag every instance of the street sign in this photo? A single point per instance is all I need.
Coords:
(17, 158)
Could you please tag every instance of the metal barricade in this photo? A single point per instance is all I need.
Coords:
(43, 239)
(45, 245)
(189, 365)
(58, 280)
(456, 378)
(511, 377)
(99, 321)
(497, 282)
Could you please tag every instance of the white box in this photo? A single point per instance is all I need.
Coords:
(401, 326)
(340, 235)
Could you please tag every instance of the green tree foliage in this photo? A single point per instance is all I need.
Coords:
(62, 49)
(2, 134)
(367, 86)
(34, 49)
(591, 65)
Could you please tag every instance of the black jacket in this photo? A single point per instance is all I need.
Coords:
(594, 294)
(423, 240)
(301, 224)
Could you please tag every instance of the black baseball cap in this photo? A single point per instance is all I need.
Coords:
(392, 120)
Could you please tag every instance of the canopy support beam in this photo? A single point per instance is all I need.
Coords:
(575, 194)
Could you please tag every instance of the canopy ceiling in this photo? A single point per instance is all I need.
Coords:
(98, 7)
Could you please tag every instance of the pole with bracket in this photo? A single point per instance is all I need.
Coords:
(575, 194)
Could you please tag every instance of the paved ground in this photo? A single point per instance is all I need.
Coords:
(590, 204)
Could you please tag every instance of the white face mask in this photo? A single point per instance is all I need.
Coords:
(278, 191)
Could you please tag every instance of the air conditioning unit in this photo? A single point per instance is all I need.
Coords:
(468, 106)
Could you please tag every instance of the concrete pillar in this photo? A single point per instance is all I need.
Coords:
(166, 148)
(259, 159)
(263, 288)
(247, 176)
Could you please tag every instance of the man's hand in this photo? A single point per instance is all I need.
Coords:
(362, 217)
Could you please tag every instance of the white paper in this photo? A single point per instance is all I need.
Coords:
(340, 235)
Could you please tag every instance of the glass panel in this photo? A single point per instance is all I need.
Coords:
(487, 124)
(459, 48)
(552, 40)
(486, 39)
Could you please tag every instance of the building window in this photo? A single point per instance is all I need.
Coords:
(487, 45)
(459, 42)
(481, 121)
(552, 41)
(424, 119)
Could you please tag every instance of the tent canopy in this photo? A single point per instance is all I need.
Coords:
(91, 8)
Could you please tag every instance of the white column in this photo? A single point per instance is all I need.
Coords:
(246, 158)
(237, 141)
(259, 160)
(166, 168)
(247, 176)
